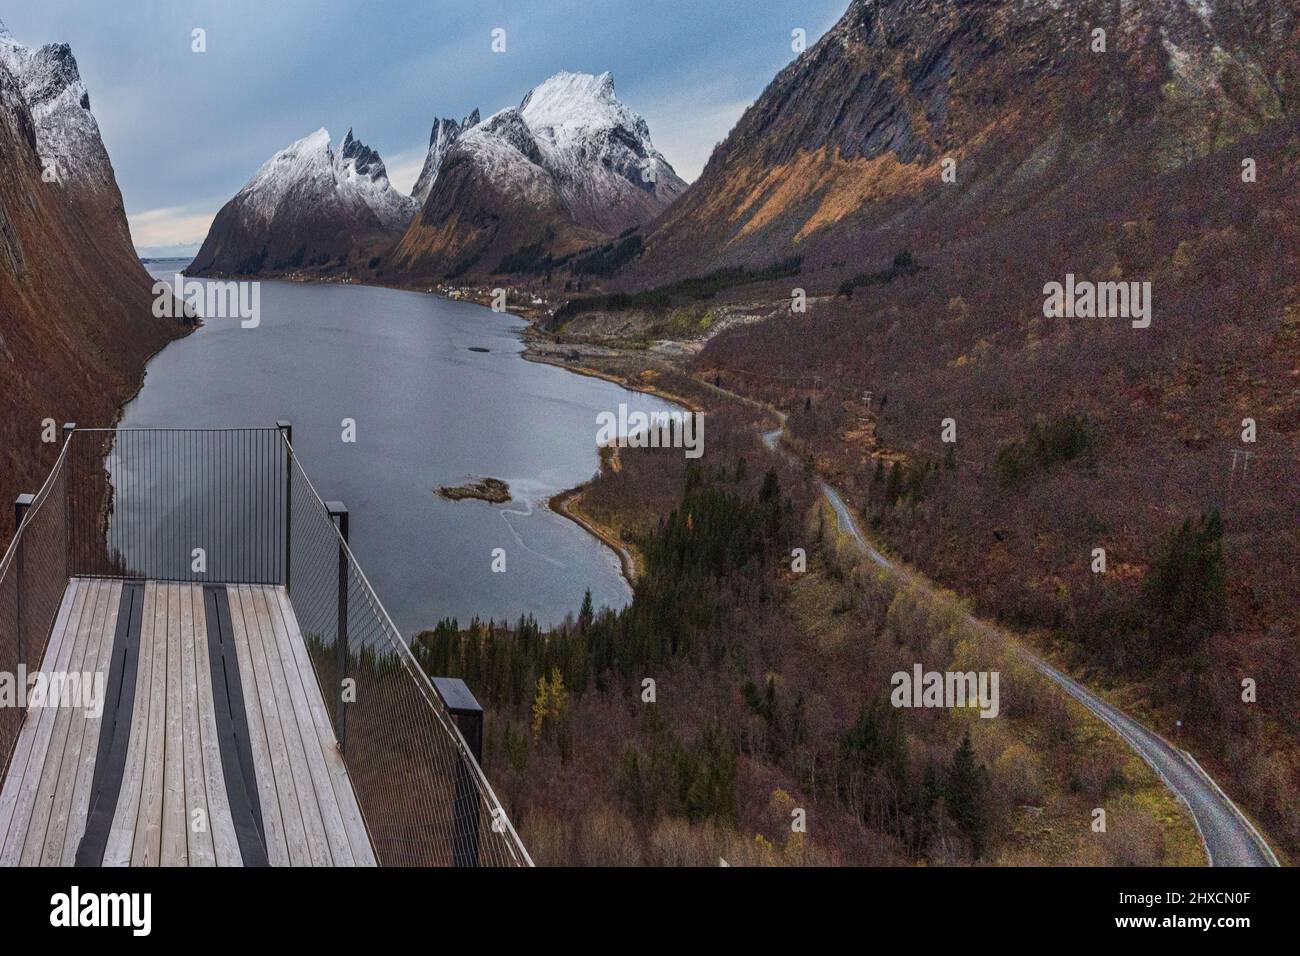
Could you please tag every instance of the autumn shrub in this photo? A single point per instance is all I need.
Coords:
(607, 838)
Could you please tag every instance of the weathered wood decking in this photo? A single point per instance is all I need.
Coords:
(173, 795)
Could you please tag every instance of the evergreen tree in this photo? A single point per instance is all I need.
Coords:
(586, 614)
(1186, 590)
(964, 794)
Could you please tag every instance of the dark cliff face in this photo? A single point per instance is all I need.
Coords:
(76, 321)
(850, 137)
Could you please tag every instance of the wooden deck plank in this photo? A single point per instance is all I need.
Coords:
(121, 835)
(79, 808)
(174, 850)
(295, 825)
(327, 839)
(82, 740)
(200, 850)
(43, 720)
(27, 733)
(225, 843)
(363, 853)
(146, 848)
(58, 774)
(284, 841)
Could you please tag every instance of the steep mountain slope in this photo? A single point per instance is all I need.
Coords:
(309, 208)
(850, 138)
(570, 166)
(76, 323)
(1169, 159)
(444, 135)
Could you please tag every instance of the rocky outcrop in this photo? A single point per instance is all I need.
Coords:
(441, 139)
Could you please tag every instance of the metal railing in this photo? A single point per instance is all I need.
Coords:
(415, 773)
(236, 506)
(173, 504)
(33, 579)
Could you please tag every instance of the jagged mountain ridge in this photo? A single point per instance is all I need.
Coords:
(309, 207)
(76, 322)
(443, 136)
(569, 166)
(848, 140)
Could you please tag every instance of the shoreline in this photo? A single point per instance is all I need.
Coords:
(473, 294)
(566, 503)
(529, 354)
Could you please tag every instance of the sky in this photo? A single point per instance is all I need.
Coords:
(186, 130)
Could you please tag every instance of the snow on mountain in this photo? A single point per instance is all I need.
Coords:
(309, 207)
(441, 139)
(311, 171)
(598, 150)
(569, 167)
(573, 131)
(505, 150)
(67, 136)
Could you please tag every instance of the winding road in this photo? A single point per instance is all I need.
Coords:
(1229, 838)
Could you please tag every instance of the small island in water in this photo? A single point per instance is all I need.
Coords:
(492, 490)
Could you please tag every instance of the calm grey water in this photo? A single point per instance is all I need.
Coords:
(428, 412)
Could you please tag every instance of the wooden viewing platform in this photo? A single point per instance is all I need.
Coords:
(212, 748)
(230, 689)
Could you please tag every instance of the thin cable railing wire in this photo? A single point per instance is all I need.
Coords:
(403, 750)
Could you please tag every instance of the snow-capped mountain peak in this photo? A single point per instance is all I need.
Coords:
(571, 106)
(568, 166)
(313, 172)
(311, 206)
(67, 136)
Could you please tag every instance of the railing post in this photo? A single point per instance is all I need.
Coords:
(338, 511)
(286, 429)
(21, 505)
(468, 715)
(68, 429)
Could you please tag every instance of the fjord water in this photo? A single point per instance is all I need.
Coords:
(428, 412)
